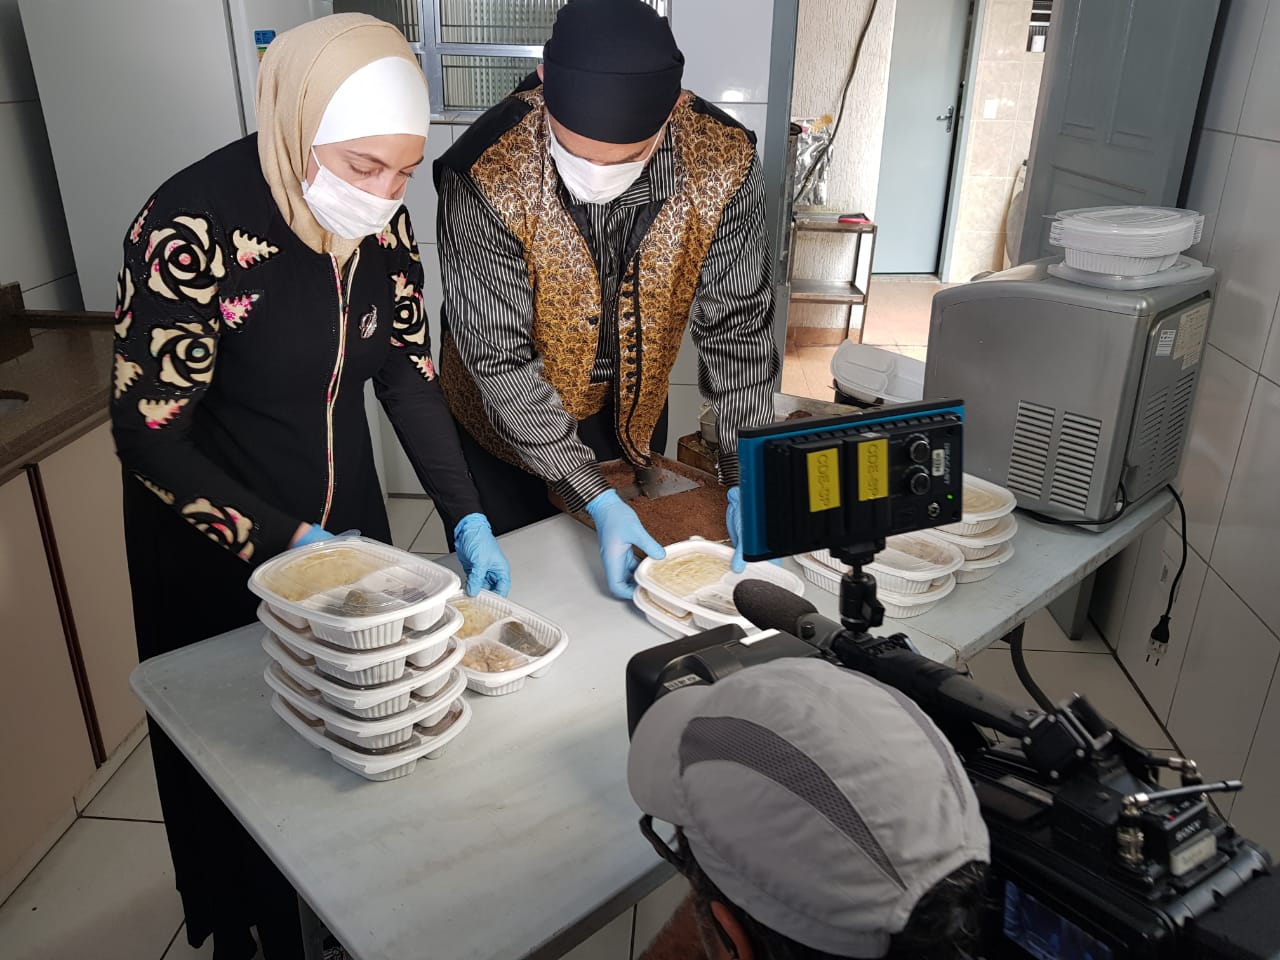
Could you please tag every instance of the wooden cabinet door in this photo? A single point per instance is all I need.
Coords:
(44, 746)
(82, 489)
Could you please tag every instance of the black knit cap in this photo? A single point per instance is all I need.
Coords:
(611, 70)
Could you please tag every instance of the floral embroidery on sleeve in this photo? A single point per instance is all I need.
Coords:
(424, 366)
(126, 375)
(159, 413)
(225, 526)
(410, 322)
(250, 251)
(185, 353)
(135, 232)
(235, 310)
(183, 261)
(159, 491)
(124, 301)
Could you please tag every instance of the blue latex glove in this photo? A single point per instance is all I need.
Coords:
(314, 534)
(733, 520)
(482, 559)
(618, 530)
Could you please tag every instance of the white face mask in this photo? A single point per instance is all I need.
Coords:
(344, 209)
(595, 182)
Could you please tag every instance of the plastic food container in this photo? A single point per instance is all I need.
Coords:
(974, 570)
(365, 667)
(901, 606)
(354, 592)
(374, 702)
(1114, 265)
(874, 375)
(1132, 231)
(673, 626)
(365, 734)
(909, 563)
(1184, 270)
(981, 545)
(711, 603)
(984, 504)
(426, 741)
(820, 574)
(516, 640)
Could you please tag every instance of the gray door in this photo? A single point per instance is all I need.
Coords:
(1122, 80)
(921, 119)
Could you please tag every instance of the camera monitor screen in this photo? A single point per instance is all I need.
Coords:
(1045, 934)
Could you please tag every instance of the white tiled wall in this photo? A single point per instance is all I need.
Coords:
(35, 250)
(1222, 704)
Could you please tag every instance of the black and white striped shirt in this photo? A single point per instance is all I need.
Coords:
(489, 306)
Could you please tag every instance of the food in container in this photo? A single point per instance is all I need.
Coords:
(980, 545)
(354, 592)
(674, 626)
(974, 570)
(909, 563)
(687, 574)
(516, 644)
(901, 606)
(475, 618)
(984, 504)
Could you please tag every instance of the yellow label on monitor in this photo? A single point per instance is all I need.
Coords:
(873, 469)
(824, 479)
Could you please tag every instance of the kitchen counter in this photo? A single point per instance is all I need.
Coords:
(67, 378)
(522, 839)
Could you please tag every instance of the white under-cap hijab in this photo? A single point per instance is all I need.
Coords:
(383, 97)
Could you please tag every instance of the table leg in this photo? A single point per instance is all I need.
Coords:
(1071, 610)
(317, 942)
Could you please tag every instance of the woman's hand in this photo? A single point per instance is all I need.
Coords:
(481, 557)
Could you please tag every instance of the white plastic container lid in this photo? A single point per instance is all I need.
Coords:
(1134, 231)
(1006, 529)
(317, 583)
(873, 374)
(937, 590)
(712, 604)
(345, 658)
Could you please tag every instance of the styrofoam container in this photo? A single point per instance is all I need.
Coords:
(710, 605)
(901, 606)
(875, 375)
(545, 633)
(984, 504)
(672, 626)
(1112, 264)
(389, 765)
(366, 734)
(398, 589)
(368, 703)
(365, 667)
(981, 545)
(974, 570)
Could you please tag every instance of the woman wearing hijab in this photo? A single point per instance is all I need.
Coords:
(262, 287)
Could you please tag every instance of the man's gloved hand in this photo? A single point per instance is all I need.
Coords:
(482, 559)
(733, 520)
(618, 530)
(313, 534)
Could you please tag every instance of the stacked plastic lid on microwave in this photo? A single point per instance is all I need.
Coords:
(365, 661)
(917, 571)
(691, 589)
(1127, 248)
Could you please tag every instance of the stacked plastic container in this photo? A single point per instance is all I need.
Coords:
(505, 643)
(1127, 248)
(705, 599)
(872, 376)
(913, 573)
(984, 535)
(365, 662)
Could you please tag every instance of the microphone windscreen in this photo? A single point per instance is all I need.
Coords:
(769, 606)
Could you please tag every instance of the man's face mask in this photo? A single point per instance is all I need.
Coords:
(594, 182)
(346, 210)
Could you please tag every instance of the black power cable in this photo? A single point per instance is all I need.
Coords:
(1024, 675)
(1160, 632)
(1056, 522)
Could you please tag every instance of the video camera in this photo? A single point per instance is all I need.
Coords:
(1091, 858)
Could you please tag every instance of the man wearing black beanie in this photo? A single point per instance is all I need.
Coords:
(584, 222)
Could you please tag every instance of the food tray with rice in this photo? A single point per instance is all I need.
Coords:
(353, 591)
(505, 643)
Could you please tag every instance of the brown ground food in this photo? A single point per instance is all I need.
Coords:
(673, 518)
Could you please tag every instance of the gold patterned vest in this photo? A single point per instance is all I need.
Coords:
(655, 294)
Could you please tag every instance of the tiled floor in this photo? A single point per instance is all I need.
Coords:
(897, 319)
(105, 891)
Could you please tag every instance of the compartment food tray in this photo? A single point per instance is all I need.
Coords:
(902, 606)
(368, 703)
(398, 589)
(548, 634)
(980, 545)
(974, 570)
(366, 667)
(672, 626)
(375, 766)
(706, 617)
(984, 503)
(910, 563)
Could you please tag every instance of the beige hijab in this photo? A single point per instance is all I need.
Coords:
(299, 74)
